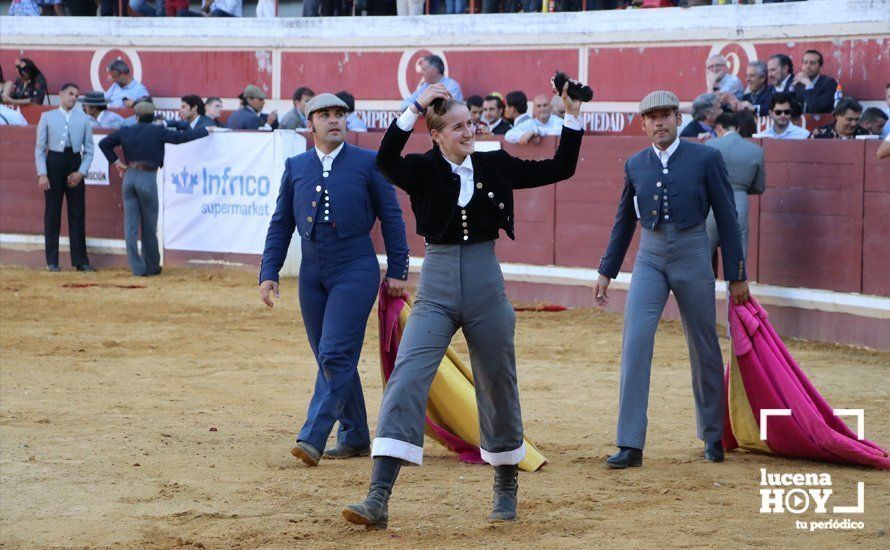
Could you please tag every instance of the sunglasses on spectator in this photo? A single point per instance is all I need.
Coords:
(782, 111)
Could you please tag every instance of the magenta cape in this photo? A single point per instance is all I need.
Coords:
(763, 375)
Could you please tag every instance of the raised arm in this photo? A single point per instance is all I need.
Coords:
(536, 173)
(401, 171)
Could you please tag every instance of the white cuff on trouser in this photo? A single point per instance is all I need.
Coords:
(505, 458)
(385, 446)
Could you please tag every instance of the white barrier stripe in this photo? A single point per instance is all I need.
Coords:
(861, 305)
(104, 246)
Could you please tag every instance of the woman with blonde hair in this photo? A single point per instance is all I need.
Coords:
(461, 200)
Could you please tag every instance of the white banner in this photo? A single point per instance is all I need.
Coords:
(98, 171)
(219, 192)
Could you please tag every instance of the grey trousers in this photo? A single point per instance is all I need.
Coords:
(742, 207)
(461, 286)
(141, 212)
(678, 260)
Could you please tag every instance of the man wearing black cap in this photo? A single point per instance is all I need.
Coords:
(670, 187)
(143, 147)
(331, 196)
(96, 107)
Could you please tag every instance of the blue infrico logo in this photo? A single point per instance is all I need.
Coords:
(225, 184)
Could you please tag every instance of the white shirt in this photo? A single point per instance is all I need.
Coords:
(465, 172)
(813, 82)
(553, 127)
(232, 7)
(116, 94)
(782, 84)
(327, 159)
(665, 155)
(791, 132)
(11, 117)
(521, 118)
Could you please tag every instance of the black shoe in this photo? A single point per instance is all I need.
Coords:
(345, 451)
(307, 453)
(626, 457)
(53, 267)
(373, 513)
(86, 267)
(506, 484)
(714, 451)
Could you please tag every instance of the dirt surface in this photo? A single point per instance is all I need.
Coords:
(163, 416)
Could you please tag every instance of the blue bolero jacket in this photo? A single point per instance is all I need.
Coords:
(359, 195)
(695, 181)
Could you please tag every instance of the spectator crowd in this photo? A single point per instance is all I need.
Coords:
(771, 88)
(331, 8)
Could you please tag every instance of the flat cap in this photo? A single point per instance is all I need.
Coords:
(96, 99)
(659, 99)
(254, 92)
(324, 101)
(144, 108)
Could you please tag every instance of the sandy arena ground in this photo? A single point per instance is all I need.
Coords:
(163, 416)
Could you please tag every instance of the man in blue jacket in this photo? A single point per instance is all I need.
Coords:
(670, 187)
(331, 196)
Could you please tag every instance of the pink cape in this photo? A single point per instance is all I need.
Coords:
(772, 380)
(388, 309)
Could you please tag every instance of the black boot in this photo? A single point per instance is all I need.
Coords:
(373, 513)
(506, 484)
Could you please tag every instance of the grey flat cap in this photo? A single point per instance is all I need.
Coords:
(144, 108)
(254, 92)
(324, 101)
(660, 99)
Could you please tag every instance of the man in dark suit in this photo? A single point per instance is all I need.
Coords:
(780, 69)
(192, 115)
(815, 91)
(250, 116)
(746, 169)
(705, 110)
(670, 187)
(758, 94)
(493, 115)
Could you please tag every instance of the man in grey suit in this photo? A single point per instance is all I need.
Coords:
(669, 187)
(747, 176)
(63, 153)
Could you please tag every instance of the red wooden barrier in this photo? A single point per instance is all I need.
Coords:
(811, 215)
(821, 224)
(876, 224)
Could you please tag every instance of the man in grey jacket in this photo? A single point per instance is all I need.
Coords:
(747, 176)
(63, 154)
